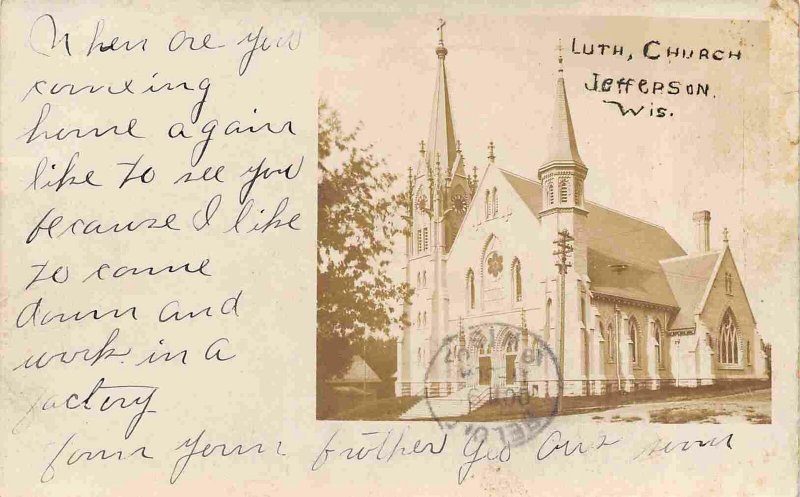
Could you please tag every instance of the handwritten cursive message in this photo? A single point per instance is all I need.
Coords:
(153, 160)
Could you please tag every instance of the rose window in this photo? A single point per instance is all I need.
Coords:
(495, 264)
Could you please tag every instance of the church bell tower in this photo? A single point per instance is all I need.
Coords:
(439, 191)
(562, 175)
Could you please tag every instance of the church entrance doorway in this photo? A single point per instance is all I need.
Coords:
(511, 369)
(512, 347)
(485, 370)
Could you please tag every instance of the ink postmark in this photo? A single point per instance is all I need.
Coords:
(491, 363)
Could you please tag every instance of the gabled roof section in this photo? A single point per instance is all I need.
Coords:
(441, 134)
(726, 252)
(358, 372)
(561, 142)
(473, 204)
(623, 251)
(529, 191)
(624, 254)
(689, 277)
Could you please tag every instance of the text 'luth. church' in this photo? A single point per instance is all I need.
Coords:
(636, 310)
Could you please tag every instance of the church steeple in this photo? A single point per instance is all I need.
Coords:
(441, 136)
(561, 144)
(563, 171)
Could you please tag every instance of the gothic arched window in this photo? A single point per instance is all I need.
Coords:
(551, 193)
(584, 316)
(470, 289)
(488, 206)
(578, 190)
(512, 345)
(495, 205)
(749, 360)
(547, 310)
(657, 337)
(633, 332)
(611, 343)
(604, 337)
(419, 280)
(424, 279)
(728, 343)
(425, 238)
(563, 191)
(419, 320)
(516, 280)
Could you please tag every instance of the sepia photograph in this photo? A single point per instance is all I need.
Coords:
(530, 217)
(400, 248)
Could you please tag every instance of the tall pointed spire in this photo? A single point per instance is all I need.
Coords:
(563, 172)
(441, 137)
(562, 145)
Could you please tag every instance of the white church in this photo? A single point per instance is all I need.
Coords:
(636, 312)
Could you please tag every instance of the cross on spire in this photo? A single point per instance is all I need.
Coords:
(725, 235)
(441, 51)
(491, 151)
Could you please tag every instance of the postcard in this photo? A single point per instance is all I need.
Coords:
(290, 248)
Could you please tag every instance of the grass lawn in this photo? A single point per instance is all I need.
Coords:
(504, 409)
(675, 415)
(378, 410)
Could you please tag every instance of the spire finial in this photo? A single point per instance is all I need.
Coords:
(560, 58)
(440, 50)
(491, 151)
(422, 147)
(725, 235)
(458, 145)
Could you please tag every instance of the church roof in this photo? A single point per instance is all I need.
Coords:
(358, 372)
(688, 277)
(562, 143)
(623, 251)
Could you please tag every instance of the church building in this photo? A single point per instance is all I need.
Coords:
(626, 307)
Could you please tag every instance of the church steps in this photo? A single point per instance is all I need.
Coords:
(459, 403)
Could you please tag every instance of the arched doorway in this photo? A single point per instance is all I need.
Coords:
(512, 347)
(484, 364)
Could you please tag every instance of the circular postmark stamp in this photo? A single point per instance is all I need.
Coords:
(494, 373)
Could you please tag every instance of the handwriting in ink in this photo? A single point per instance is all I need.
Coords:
(79, 455)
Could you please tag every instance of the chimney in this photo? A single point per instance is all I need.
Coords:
(702, 221)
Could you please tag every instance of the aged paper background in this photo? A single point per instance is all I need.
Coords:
(266, 393)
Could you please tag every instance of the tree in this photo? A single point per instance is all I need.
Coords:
(357, 220)
(379, 353)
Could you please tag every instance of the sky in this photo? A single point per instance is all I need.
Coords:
(710, 154)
